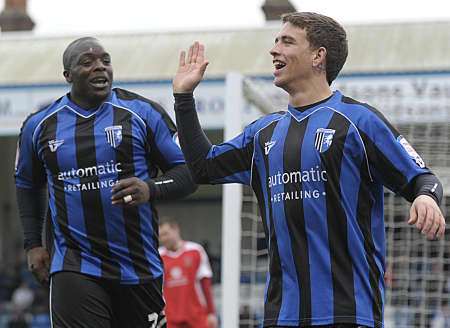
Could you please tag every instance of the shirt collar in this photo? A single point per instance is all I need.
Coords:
(300, 112)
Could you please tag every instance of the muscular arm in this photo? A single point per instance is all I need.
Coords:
(32, 204)
(194, 142)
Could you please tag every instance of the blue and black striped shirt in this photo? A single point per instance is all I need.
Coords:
(318, 173)
(80, 154)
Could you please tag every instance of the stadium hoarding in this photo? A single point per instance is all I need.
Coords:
(402, 97)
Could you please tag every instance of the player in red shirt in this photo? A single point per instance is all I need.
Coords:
(187, 280)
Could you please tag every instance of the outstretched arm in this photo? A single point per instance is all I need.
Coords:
(193, 141)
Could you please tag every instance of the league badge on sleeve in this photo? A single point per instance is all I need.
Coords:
(411, 151)
(114, 135)
(324, 138)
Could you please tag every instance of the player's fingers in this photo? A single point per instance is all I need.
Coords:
(201, 53)
(428, 220)
(195, 52)
(122, 184)
(431, 232)
(441, 230)
(190, 53)
(421, 212)
(203, 67)
(119, 196)
(412, 215)
(436, 224)
(182, 60)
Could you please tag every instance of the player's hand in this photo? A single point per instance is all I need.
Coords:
(39, 264)
(191, 70)
(426, 215)
(130, 192)
(212, 321)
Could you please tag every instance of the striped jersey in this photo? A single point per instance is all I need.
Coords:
(80, 154)
(318, 174)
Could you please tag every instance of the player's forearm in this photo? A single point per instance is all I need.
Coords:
(206, 284)
(32, 205)
(424, 184)
(194, 143)
(173, 184)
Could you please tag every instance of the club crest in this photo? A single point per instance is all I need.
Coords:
(324, 138)
(114, 135)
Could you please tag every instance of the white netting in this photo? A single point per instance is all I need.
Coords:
(418, 271)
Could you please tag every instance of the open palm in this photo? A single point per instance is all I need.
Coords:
(190, 72)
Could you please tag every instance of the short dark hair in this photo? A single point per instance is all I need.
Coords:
(323, 31)
(69, 53)
(169, 221)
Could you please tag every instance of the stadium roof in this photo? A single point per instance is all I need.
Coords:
(414, 47)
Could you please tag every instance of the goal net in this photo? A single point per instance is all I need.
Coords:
(418, 271)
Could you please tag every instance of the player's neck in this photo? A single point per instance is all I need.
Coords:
(309, 93)
(177, 245)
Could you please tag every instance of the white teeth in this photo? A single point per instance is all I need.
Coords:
(278, 64)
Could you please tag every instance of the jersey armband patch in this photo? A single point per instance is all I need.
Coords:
(411, 151)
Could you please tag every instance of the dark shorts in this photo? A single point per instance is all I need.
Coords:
(81, 301)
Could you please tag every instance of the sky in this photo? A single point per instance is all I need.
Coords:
(71, 17)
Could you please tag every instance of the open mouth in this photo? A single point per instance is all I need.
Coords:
(279, 65)
(99, 82)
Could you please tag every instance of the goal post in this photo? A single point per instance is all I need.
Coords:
(231, 210)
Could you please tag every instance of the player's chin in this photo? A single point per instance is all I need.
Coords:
(100, 94)
(278, 82)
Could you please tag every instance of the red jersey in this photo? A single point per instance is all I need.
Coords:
(183, 270)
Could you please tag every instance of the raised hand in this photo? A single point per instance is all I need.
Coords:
(190, 72)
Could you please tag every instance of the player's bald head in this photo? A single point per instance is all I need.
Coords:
(75, 48)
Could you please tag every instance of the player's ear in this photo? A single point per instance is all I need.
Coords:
(67, 75)
(319, 58)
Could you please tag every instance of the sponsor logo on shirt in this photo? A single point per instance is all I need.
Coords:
(54, 144)
(411, 151)
(114, 135)
(72, 176)
(268, 146)
(324, 138)
(307, 177)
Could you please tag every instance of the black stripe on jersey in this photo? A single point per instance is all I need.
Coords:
(364, 214)
(155, 155)
(128, 95)
(230, 162)
(275, 288)
(131, 215)
(341, 261)
(391, 175)
(94, 218)
(349, 100)
(257, 189)
(295, 216)
(72, 258)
